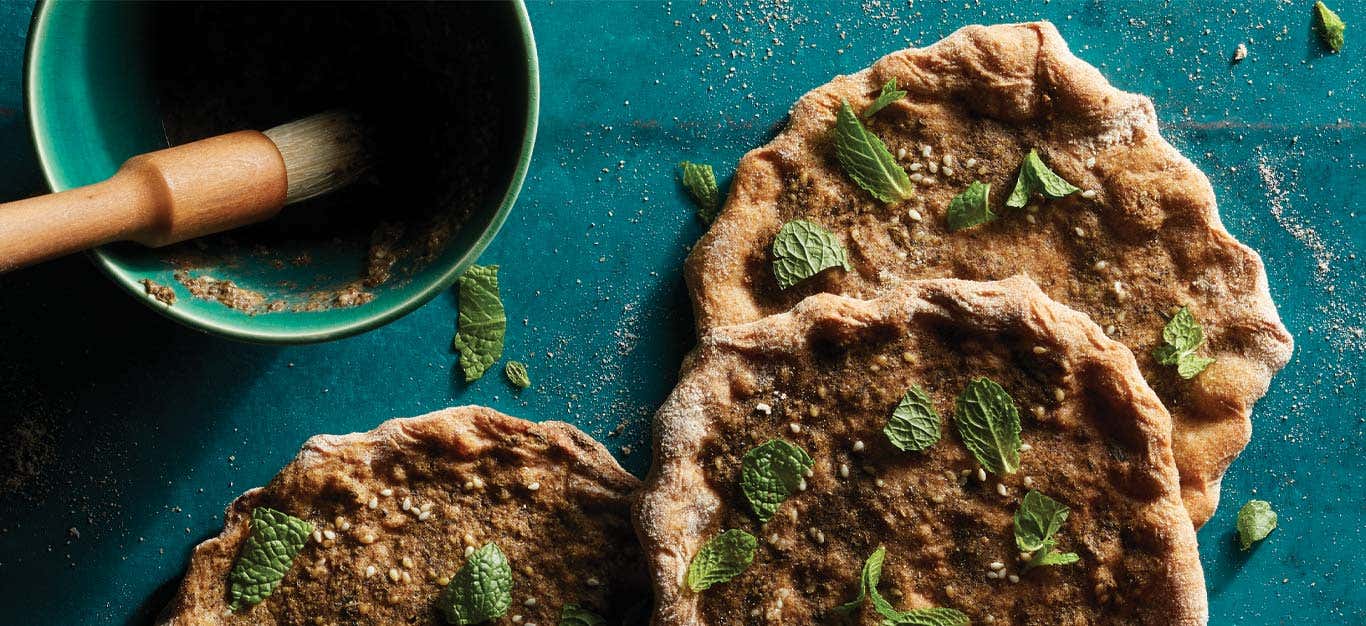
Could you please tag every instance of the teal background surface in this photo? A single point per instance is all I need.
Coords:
(124, 435)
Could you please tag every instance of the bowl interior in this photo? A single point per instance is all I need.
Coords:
(104, 83)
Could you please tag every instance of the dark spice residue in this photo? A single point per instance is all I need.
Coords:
(161, 292)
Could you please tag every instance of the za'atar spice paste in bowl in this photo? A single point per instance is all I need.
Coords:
(448, 93)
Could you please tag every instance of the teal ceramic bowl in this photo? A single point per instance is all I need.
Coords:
(92, 101)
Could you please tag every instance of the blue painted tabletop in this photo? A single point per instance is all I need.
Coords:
(126, 435)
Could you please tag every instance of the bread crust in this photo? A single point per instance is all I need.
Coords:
(1106, 451)
(1149, 241)
(432, 458)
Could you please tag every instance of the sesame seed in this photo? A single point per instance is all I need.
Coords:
(408, 562)
(981, 474)
(796, 428)
(407, 503)
(1040, 350)
(329, 534)
(373, 503)
(427, 506)
(1025, 556)
(763, 407)
(982, 170)
(801, 486)
(469, 539)
(901, 152)
(367, 538)
(927, 181)
(1099, 266)
(1024, 447)
(593, 582)
(1059, 394)
(345, 526)
(948, 160)
(469, 550)
(844, 470)
(916, 167)
(858, 446)
(937, 498)
(917, 177)
(318, 536)
(386, 492)
(534, 486)
(1091, 162)
(1110, 329)
(908, 356)
(948, 171)
(992, 574)
(814, 411)
(1088, 194)
(1038, 410)
(933, 167)
(1013, 578)
(393, 574)
(1001, 489)
(914, 215)
(773, 538)
(1029, 481)
(997, 565)
(516, 619)
(1079, 231)
(337, 521)
(370, 571)
(1030, 218)
(529, 602)
(443, 581)
(880, 483)
(422, 517)
(926, 150)
(407, 578)
(971, 163)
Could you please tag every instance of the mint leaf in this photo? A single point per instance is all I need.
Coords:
(1036, 177)
(803, 249)
(929, 617)
(1182, 335)
(1037, 520)
(1256, 520)
(989, 424)
(970, 208)
(517, 375)
(771, 472)
(266, 556)
(573, 615)
(914, 425)
(1329, 26)
(700, 181)
(868, 582)
(889, 95)
(866, 159)
(481, 323)
(481, 590)
(726, 556)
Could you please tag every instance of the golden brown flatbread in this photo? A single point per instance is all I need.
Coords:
(395, 509)
(828, 375)
(1144, 239)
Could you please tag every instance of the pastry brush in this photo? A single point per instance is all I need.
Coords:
(189, 191)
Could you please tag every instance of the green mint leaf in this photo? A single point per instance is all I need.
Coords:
(970, 208)
(481, 590)
(1036, 177)
(771, 472)
(989, 424)
(914, 425)
(517, 375)
(1256, 520)
(726, 556)
(889, 95)
(866, 159)
(266, 556)
(929, 617)
(1183, 335)
(1329, 26)
(481, 322)
(1051, 557)
(573, 615)
(700, 181)
(803, 249)
(1037, 520)
(868, 578)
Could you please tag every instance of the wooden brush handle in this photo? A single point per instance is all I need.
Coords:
(155, 199)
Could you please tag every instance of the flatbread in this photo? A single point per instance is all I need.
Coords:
(829, 374)
(466, 475)
(1148, 242)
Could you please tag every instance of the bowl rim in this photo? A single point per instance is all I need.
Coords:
(191, 319)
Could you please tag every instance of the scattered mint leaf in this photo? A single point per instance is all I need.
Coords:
(700, 181)
(868, 582)
(866, 159)
(889, 95)
(726, 556)
(1036, 177)
(914, 425)
(1256, 520)
(989, 424)
(1330, 26)
(573, 615)
(1037, 520)
(770, 473)
(482, 322)
(1182, 335)
(266, 556)
(517, 375)
(481, 590)
(970, 208)
(803, 249)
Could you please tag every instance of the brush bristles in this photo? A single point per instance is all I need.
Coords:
(322, 153)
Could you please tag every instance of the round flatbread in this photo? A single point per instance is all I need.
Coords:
(828, 376)
(394, 512)
(1140, 240)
